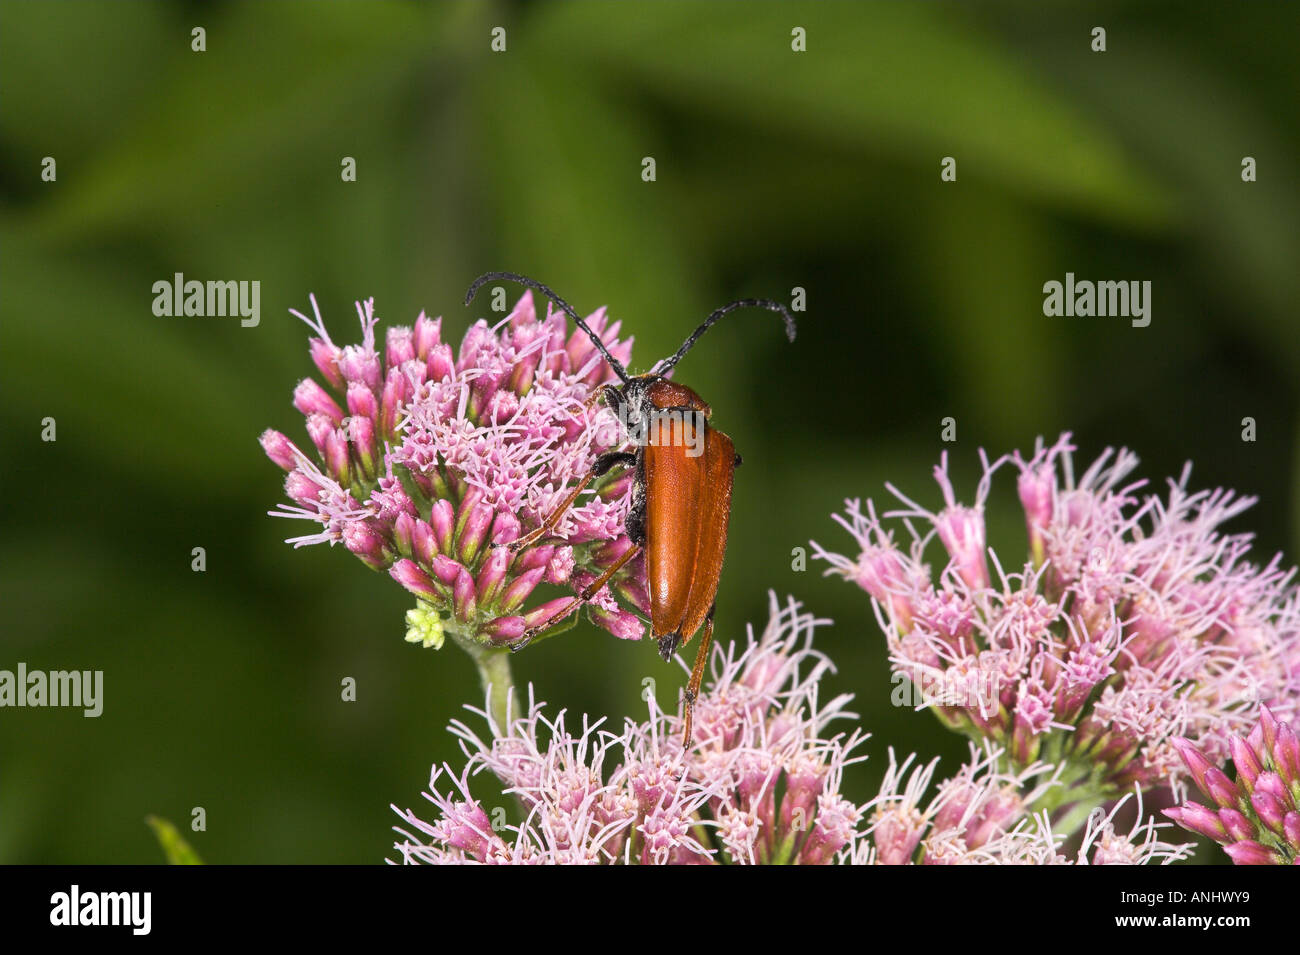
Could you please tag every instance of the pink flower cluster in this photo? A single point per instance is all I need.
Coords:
(983, 815)
(429, 459)
(1133, 622)
(1255, 817)
(761, 784)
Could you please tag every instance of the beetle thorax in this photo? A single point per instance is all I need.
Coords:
(648, 393)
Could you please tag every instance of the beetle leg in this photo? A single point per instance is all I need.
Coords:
(585, 596)
(602, 393)
(602, 464)
(697, 675)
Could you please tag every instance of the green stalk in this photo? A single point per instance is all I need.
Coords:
(493, 672)
(1078, 814)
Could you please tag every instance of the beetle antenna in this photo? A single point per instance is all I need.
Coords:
(568, 310)
(665, 366)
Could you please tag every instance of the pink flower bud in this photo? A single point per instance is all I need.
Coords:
(541, 615)
(1237, 825)
(520, 589)
(400, 346)
(361, 402)
(1199, 819)
(1037, 488)
(897, 833)
(441, 363)
(609, 552)
(880, 573)
(397, 392)
(524, 313)
(319, 428)
(426, 336)
(831, 830)
(492, 575)
(535, 557)
(1194, 759)
(464, 598)
(361, 365)
(1246, 761)
(441, 519)
(310, 398)
(279, 449)
(1270, 810)
(624, 625)
(1291, 829)
(1220, 788)
(1286, 755)
(505, 528)
(447, 570)
(325, 355)
(1271, 783)
(633, 588)
(503, 630)
(502, 406)
(468, 829)
(423, 543)
(1249, 852)
(336, 457)
(364, 541)
(406, 573)
(560, 567)
(961, 529)
(302, 488)
(362, 433)
(521, 377)
(1267, 727)
(473, 532)
(803, 784)
(996, 815)
(580, 349)
(484, 389)
(404, 535)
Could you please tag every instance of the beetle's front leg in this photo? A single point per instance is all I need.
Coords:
(603, 463)
(585, 596)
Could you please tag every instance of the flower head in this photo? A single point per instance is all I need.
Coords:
(761, 784)
(428, 460)
(1134, 620)
(1256, 815)
(983, 815)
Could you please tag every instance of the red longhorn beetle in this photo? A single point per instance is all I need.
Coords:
(681, 502)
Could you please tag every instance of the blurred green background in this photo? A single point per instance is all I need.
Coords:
(775, 169)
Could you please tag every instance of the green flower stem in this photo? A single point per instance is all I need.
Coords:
(1079, 791)
(1079, 812)
(1079, 788)
(493, 672)
(494, 669)
(784, 853)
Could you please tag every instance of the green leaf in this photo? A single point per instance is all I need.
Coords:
(907, 82)
(217, 124)
(174, 846)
